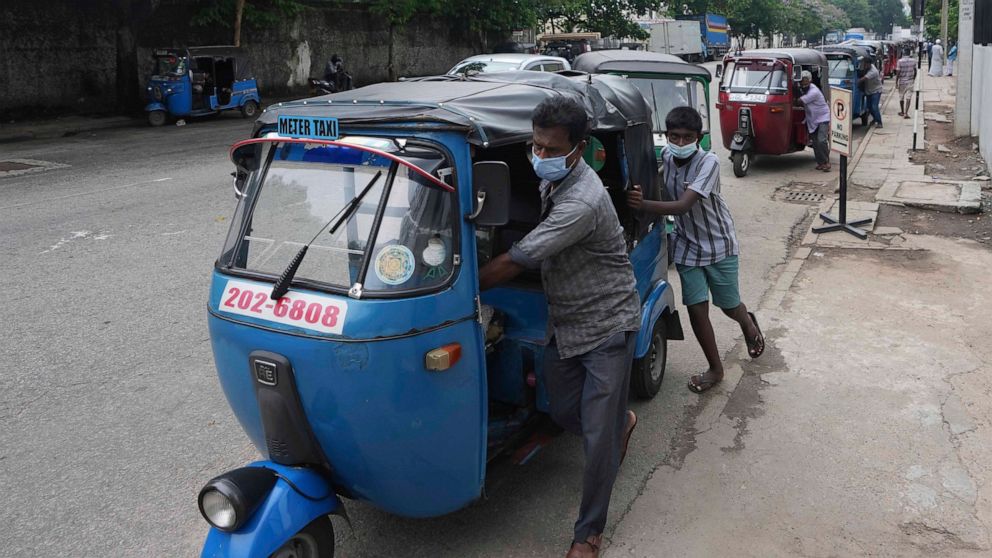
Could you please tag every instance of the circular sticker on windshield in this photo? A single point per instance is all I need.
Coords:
(394, 265)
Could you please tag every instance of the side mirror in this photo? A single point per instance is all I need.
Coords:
(797, 73)
(246, 159)
(719, 71)
(491, 189)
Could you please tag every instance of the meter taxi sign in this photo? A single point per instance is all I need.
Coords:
(840, 121)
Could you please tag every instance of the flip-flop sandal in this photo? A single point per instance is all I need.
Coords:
(756, 346)
(702, 385)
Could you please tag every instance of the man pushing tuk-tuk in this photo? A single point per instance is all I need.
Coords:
(594, 308)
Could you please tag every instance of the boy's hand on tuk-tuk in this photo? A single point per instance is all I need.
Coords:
(634, 197)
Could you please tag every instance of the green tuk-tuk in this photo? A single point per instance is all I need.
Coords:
(666, 82)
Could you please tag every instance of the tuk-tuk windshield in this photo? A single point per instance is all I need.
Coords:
(758, 76)
(170, 65)
(663, 95)
(404, 222)
(841, 68)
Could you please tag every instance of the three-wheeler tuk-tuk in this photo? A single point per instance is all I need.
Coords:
(666, 81)
(757, 102)
(200, 81)
(349, 333)
(845, 64)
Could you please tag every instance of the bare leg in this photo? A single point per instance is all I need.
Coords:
(699, 317)
(740, 316)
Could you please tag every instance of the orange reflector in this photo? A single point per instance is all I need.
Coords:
(777, 109)
(443, 358)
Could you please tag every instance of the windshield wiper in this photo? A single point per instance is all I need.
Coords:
(282, 285)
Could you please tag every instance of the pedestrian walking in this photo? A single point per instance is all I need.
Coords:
(871, 80)
(929, 55)
(594, 308)
(704, 244)
(817, 120)
(952, 56)
(905, 79)
(937, 55)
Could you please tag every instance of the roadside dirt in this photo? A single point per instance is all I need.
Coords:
(959, 160)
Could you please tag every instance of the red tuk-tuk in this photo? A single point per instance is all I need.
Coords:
(891, 58)
(757, 102)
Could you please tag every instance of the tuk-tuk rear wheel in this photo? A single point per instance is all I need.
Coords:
(649, 371)
(742, 163)
(249, 109)
(156, 117)
(316, 540)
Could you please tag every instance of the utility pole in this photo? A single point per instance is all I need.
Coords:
(943, 29)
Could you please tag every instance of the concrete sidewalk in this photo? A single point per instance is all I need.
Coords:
(863, 430)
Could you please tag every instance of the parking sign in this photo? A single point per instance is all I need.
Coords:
(840, 121)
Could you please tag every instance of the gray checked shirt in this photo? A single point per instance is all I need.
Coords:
(587, 276)
(705, 234)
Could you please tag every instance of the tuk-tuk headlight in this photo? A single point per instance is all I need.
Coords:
(218, 510)
(227, 502)
(738, 137)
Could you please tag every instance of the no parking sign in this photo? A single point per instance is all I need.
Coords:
(840, 121)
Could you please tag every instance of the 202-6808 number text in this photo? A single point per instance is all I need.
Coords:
(296, 310)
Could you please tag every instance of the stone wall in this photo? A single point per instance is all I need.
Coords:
(981, 99)
(64, 56)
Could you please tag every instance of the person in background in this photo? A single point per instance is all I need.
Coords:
(937, 59)
(817, 120)
(704, 244)
(871, 81)
(929, 55)
(905, 78)
(952, 56)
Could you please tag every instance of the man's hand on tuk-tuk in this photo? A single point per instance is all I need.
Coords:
(634, 197)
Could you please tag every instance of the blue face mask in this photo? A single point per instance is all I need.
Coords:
(683, 151)
(551, 168)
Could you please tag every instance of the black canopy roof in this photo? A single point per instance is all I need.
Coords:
(604, 61)
(850, 50)
(804, 56)
(493, 109)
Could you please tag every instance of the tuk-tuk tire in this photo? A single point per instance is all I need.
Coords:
(157, 117)
(249, 109)
(316, 540)
(643, 384)
(742, 163)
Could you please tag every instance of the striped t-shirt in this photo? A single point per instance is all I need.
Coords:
(705, 234)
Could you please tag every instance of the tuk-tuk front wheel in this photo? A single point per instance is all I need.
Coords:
(156, 117)
(649, 371)
(249, 109)
(742, 163)
(316, 540)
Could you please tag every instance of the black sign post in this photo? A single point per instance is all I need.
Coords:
(841, 138)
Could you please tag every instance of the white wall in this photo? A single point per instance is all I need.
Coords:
(981, 96)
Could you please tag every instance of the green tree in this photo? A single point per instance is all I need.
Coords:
(858, 12)
(610, 19)
(931, 17)
(237, 14)
(886, 13)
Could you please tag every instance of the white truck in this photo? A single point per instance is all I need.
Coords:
(677, 37)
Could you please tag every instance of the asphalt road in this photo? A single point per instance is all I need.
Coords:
(112, 416)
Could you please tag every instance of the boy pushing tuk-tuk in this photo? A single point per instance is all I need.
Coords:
(704, 245)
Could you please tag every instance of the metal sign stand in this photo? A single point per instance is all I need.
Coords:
(841, 223)
(840, 141)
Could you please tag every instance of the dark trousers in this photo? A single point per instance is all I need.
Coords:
(589, 398)
(873, 101)
(821, 143)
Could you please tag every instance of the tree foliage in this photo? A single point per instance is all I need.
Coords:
(257, 13)
(931, 18)
(609, 18)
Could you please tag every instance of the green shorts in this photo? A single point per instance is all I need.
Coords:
(719, 278)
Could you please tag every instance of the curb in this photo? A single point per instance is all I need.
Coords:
(54, 129)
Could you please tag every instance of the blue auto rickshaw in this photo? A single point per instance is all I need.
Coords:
(200, 81)
(349, 333)
(844, 63)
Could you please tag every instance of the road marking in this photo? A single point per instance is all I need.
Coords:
(70, 196)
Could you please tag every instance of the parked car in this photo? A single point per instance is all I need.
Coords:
(510, 62)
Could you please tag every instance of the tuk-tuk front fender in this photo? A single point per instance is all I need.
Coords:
(660, 299)
(746, 143)
(155, 106)
(298, 497)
